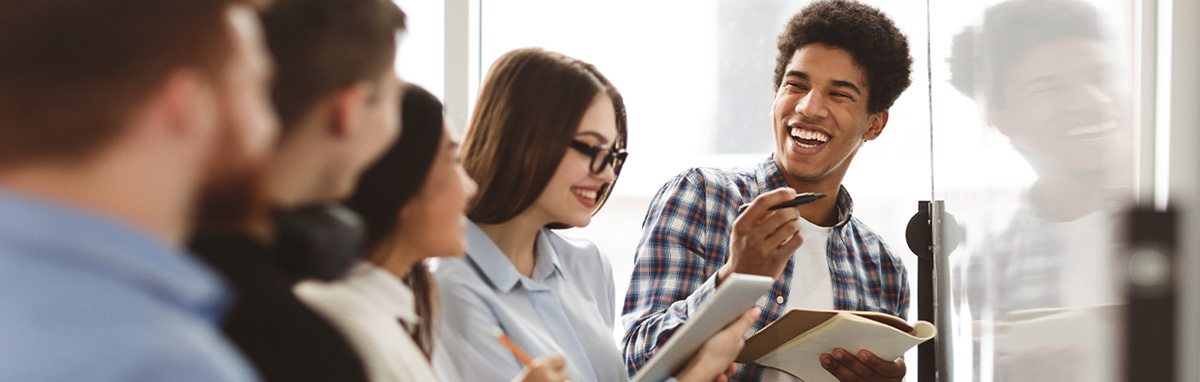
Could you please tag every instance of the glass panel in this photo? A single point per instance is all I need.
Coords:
(696, 77)
(420, 59)
(1033, 130)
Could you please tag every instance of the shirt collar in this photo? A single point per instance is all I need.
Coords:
(547, 257)
(383, 288)
(500, 271)
(769, 178)
(85, 239)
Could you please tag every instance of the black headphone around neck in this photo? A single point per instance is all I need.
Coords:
(320, 240)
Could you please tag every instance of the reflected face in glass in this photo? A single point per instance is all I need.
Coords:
(1059, 108)
(820, 114)
(571, 194)
(433, 223)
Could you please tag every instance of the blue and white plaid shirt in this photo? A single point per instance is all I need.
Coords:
(685, 239)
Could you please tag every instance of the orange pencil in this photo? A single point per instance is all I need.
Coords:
(507, 342)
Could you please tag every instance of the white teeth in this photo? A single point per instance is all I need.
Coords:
(584, 193)
(1098, 128)
(810, 134)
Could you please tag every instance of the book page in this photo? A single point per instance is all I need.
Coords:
(887, 319)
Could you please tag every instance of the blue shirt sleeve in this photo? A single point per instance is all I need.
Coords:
(465, 333)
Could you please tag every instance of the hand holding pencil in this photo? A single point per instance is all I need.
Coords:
(545, 369)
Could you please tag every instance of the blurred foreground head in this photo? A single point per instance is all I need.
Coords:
(140, 108)
(335, 92)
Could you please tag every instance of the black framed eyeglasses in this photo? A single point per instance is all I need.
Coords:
(602, 156)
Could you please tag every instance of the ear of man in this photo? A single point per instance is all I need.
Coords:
(347, 109)
(878, 122)
(185, 104)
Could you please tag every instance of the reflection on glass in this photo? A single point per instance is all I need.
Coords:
(1041, 289)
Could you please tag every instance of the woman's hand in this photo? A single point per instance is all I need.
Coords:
(714, 361)
(545, 369)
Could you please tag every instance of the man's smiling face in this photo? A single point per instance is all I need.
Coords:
(820, 114)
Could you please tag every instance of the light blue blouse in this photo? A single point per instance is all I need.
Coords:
(567, 308)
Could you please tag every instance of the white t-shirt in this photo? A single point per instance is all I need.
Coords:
(812, 284)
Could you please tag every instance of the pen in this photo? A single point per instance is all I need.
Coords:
(507, 342)
(800, 200)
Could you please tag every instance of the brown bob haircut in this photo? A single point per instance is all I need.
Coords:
(322, 46)
(526, 117)
(72, 72)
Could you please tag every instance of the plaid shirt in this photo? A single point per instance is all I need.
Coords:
(685, 239)
(1026, 261)
(1031, 257)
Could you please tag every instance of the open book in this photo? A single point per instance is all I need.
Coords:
(794, 342)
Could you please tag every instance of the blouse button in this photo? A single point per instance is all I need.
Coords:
(778, 299)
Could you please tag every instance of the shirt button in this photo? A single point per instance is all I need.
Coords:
(779, 299)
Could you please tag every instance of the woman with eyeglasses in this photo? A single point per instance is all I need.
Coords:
(545, 146)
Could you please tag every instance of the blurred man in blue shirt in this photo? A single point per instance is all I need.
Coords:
(120, 122)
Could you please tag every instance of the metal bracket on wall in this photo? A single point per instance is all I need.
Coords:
(928, 247)
(1151, 264)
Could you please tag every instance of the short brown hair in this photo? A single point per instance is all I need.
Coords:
(865, 32)
(321, 46)
(528, 111)
(73, 71)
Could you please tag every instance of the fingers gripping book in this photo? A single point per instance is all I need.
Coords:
(794, 342)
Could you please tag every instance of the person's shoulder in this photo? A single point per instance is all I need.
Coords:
(569, 242)
(576, 251)
(455, 273)
(345, 306)
(117, 339)
(873, 244)
(863, 233)
(713, 177)
(114, 326)
(178, 357)
(709, 184)
(332, 297)
(62, 291)
(187, 356)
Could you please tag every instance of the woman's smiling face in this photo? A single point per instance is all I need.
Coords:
(570, 196)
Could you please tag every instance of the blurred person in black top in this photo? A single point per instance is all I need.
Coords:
(336, 94)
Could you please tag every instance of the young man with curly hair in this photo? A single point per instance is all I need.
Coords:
(840, 67)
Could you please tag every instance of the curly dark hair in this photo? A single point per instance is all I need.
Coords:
(863, 31)
(980, 59)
